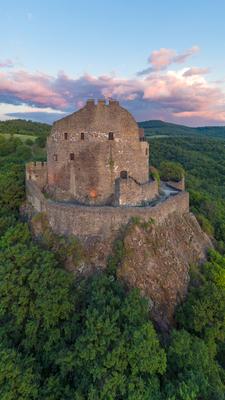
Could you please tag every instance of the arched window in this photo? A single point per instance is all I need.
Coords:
(111, 137)
(65, 135)
(71, 156)
(82, 135)
(55, 157)
(146, 151)
(123, 174)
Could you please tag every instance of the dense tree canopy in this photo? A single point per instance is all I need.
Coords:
(203, 159)
(91, 339)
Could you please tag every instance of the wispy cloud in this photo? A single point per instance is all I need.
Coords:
(6, 63)
(161, 59)
(180, 96)
(196, 71)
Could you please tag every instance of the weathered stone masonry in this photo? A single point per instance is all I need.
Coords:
(92, 149)
(103, 222)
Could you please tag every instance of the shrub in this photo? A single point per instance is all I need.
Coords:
(171, 171)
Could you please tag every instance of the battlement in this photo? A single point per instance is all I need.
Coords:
(37, 164)
(102, 102)
(37, 172)
(131, 192)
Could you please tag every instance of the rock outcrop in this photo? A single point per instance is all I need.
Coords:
(157, 259)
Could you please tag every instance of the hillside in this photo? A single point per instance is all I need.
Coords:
(23, 127)
(68, 338)
(157, 127)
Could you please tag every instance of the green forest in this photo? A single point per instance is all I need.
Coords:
(92, 339)
(157, 127)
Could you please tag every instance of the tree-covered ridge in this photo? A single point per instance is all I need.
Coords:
(204, 162)
(23, 127)
(157, 127)
(91, 339)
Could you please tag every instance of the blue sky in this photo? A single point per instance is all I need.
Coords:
(56, 54)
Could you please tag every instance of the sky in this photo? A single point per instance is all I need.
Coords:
(161, 59)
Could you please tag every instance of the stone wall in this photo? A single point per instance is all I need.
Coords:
(180, 185)
(130, 192)
(103, 222)
(37, 172)
(35, 197)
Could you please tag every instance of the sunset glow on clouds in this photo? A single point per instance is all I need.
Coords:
(179, 94)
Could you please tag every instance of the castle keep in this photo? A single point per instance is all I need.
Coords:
(97, 156)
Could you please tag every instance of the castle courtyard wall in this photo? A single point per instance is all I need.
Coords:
(130, 192)
(102, 222)
(37, 172)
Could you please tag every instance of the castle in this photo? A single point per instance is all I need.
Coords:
(97, 176)
(95, 183)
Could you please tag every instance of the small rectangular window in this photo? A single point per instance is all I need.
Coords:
(55, 157)
(146, 151)
(82, 135)
(65, 135)
(71, 156)
(111, 136)
(123, 174)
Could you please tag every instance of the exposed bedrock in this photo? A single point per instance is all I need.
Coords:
(157, 260)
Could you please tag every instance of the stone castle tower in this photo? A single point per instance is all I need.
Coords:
(98, 156)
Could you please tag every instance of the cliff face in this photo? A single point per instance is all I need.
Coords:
(157, 259)
(157, 251)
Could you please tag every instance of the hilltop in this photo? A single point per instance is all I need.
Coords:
(23, 127)
(61, 329)
(157, 127)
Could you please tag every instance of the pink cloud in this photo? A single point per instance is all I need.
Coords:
(184, 97)
(162, 58)
(196, 71)
(36, 89)
(6, 63)
(182, 57)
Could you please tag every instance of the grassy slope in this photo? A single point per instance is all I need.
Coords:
(23, 138)
(22, 127)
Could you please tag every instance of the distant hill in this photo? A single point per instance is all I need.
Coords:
(151, 128)
(157, 127)
(23, 127)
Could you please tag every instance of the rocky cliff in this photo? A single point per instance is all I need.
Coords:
(157, 257)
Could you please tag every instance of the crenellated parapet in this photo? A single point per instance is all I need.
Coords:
(178, 185)
(37, 172)
(129, 192)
